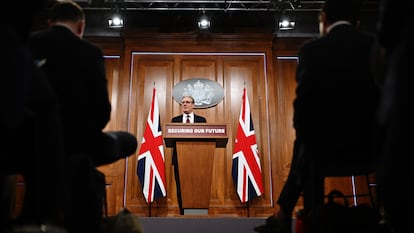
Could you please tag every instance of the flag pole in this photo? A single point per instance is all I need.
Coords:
(247, 203)
(149, 206)
(248, 209)
(149, 209)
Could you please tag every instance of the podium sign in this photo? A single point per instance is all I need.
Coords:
(195, 132)
(195, 145)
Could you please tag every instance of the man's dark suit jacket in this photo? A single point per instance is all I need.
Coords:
(197, 119)
(336, 96)
(76, 70)
(179, 119)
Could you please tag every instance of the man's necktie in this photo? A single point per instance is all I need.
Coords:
(188, 119)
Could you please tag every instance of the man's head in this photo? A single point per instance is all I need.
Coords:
(187, 104)
(339, 10)
(27, 15)
(70, 14)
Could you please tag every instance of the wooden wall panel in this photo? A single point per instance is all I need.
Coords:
(148, 72)
(138, 62)
(233, 72)
(197, 67)
(231, 60)
(285, 70)
(263, 64)
(286, 75)
(248, 72)
(114, 173)
(112, 66)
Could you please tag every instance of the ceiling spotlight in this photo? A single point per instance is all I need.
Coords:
(116, 21)
(204, 22)
(286, 24)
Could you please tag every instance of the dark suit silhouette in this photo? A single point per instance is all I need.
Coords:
(31, 143)
(334, 109)
(395, 187)
(75, 69)
(335, 105)
(336, 101)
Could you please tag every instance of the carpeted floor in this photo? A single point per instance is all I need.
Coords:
(200, 225)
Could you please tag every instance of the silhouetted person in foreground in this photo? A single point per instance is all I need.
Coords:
(32, 139)
(395, 180)
(334, 109)
(76, 71)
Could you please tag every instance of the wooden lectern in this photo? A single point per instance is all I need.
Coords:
(195, 145)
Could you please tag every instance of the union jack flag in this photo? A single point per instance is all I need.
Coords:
(246, 170)
(151, 160)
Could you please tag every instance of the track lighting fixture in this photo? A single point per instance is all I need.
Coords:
(204, 22)
(286, 22)
(116, 21)
(286, 25)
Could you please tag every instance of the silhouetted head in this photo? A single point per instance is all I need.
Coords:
(348, 10)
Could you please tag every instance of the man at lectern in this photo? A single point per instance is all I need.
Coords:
(187, 116)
